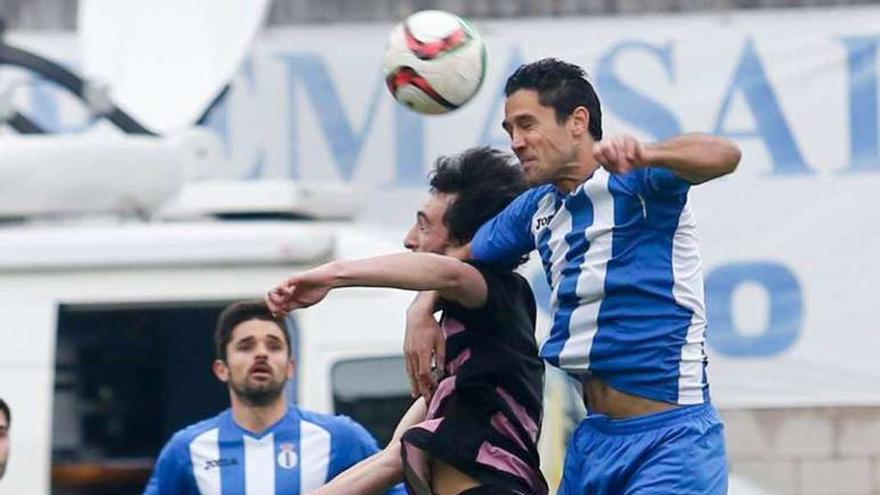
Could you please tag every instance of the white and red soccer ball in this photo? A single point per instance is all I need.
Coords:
(435, 62)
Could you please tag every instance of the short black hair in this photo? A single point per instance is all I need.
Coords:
(5, 408)
(484, 180)
(240, 312)
(560, 85)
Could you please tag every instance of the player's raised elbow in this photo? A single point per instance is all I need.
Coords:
(730, 155)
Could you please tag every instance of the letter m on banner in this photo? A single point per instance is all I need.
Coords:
(344, 140)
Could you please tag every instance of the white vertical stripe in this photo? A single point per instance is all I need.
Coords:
(314, 455)
(547, 210)
(575, 355)
(687, 289)
(259, 465)
(203, 449)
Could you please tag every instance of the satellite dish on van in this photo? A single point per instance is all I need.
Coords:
(165, 61)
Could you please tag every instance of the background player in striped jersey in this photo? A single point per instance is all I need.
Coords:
(481, 429)
(618, 243)
(261, 445)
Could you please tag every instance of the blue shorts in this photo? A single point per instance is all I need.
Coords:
(680, 451)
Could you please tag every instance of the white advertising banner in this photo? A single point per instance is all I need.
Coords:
(790, 241)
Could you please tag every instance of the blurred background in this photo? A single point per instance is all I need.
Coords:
(159, 161)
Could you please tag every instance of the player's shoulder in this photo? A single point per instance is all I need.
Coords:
(335, 424)
(499, 273)
(188, 434)
(535, 195)
(630, 183)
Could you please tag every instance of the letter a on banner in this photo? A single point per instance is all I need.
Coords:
(751, 80)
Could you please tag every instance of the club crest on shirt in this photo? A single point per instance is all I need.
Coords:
(287, 457)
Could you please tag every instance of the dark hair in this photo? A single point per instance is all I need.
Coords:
(238, 313)
(484, 181)
(560, 85)
(5, 409)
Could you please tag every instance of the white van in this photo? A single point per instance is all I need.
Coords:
(107, 340)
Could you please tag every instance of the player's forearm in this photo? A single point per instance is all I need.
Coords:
(372, 476)
(695, 158)
(424, 304)
(412, 271)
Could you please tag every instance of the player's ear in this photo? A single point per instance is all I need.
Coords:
(291, 367)
(579, 122)
(221, 370)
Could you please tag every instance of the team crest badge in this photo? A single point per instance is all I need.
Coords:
(287, 457)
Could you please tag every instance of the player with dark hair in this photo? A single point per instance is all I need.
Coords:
(611, 222)
(261, 445)
(480, 432)
(5, 422)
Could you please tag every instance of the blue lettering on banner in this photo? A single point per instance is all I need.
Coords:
(345, 143)
(786, 309)
(409, 152)
(630, 105)
(863, 108)
(751, 80)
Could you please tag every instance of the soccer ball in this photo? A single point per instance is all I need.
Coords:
(435, 62)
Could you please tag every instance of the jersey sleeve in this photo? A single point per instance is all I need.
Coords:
(660, 182)
(504, 288)
(509, 299)
(171, 474)
(351, 443)
(507, 237)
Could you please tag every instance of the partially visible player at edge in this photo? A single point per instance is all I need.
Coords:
(611, 222)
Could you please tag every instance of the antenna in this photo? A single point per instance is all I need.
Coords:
(165, 61)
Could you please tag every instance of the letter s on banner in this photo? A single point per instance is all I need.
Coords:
(785, 307)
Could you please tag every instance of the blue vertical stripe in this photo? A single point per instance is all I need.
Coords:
(567, 299)
(641, 327)
(231, 457)
(287, 481)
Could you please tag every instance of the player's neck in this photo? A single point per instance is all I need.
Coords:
(257, 419)
(577, 171)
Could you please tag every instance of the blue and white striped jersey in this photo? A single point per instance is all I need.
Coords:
(621, 256)
(301, 452)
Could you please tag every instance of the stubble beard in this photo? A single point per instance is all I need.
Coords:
(260, 395)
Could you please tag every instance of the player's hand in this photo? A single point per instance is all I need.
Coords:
(619, 154)
(300, 291)
(275, 299)
(424, 340)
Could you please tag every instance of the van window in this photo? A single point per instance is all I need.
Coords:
(372, 391)
(126, 378)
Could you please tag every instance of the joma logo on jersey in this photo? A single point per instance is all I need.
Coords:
(216, 463)
(543, 222)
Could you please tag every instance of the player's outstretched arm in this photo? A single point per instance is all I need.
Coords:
(379, 472)
(695, 158)
(453, 279)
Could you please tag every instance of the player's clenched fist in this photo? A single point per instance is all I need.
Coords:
(620, 154)
(301, 290)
